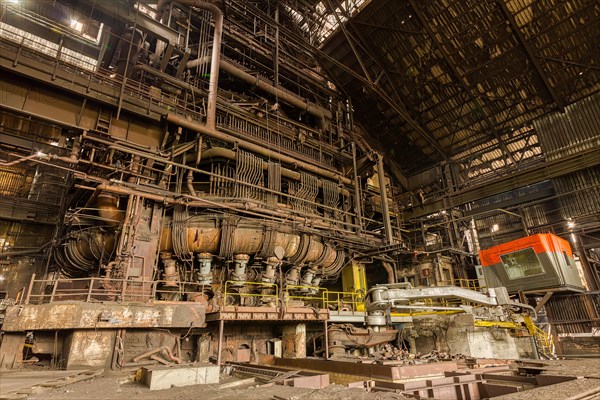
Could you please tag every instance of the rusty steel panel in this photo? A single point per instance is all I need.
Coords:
(384, 372)
(308, 382)
(79, 315)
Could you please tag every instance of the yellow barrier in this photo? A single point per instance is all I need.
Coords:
(354, 299)
(297, 288)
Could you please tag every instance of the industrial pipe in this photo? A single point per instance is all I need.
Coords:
(257, 149)
(320, 113)
(206, 236)
(385, 211)
(221, 152)
(108, 209)
(390, 272)
(213, 83)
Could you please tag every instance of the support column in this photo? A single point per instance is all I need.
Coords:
(385, 211)
(294, 341)
(276, 50)
(220, 346)
(354, 278)
(11, 350)
(588, 272)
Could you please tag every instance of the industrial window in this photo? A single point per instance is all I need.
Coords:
(522, 264)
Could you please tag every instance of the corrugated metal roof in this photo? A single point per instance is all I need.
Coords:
(468, 71)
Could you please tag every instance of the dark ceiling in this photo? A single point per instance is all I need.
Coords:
(435, 80)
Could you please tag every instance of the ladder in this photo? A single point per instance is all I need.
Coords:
(104, 120)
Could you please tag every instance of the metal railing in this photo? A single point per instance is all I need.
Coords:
(340, 300)
(93, 289)
(311, 294)
(472, 284)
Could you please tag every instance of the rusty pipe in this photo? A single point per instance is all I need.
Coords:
(221, 152)
(390, 272)
(322, 114)
(257, 149)
(215, 59)
(108, 209)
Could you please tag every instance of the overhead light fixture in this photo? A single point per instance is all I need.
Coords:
(1, 278)
(570, 223)
(40, 154)
(495, 228)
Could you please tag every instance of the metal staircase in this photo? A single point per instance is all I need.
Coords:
(543, 340)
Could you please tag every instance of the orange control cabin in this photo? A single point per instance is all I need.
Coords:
(536, 262)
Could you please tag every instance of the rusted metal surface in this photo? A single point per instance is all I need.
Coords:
(78, 315)
(232, 313)
(383, 372)
(299, 379)
(308, 382)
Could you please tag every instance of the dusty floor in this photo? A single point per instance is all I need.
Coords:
(120, 386)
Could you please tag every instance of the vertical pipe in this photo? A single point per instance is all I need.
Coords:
(326, 341)
(220, 347)
(213, 83)
(276, 52)
(357, 202)
(385, 211)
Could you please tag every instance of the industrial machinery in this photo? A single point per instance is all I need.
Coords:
(454, 319)
(537, 262)
(196, 178)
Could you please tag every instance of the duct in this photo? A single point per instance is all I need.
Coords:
(205, 236)
(213, 84)
(390, 272)
(320, 113)
(257, 149)
(108, 209)
(81, 251)
(385, 212)
(199, 202)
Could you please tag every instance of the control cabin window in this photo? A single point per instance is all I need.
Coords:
(522, 264)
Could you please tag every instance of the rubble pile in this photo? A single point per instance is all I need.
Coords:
(389, 352)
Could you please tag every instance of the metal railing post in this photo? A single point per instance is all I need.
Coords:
(29, 289)
(89, 294)
(54, 290)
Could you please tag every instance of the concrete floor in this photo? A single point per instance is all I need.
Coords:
(15, 381)
(120, 385)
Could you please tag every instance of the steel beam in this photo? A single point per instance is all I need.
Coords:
(390, 28)
(513, 24)
(508, 182)
(350, 41)
(459, 76)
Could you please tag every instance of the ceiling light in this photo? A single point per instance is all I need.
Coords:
(1, 278)
(495, 228)
(570, 223)
(40, 154)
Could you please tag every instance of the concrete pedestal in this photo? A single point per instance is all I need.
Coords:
(294, 341)
(164, 377)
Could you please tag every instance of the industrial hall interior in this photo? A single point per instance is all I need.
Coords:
(299, 199)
